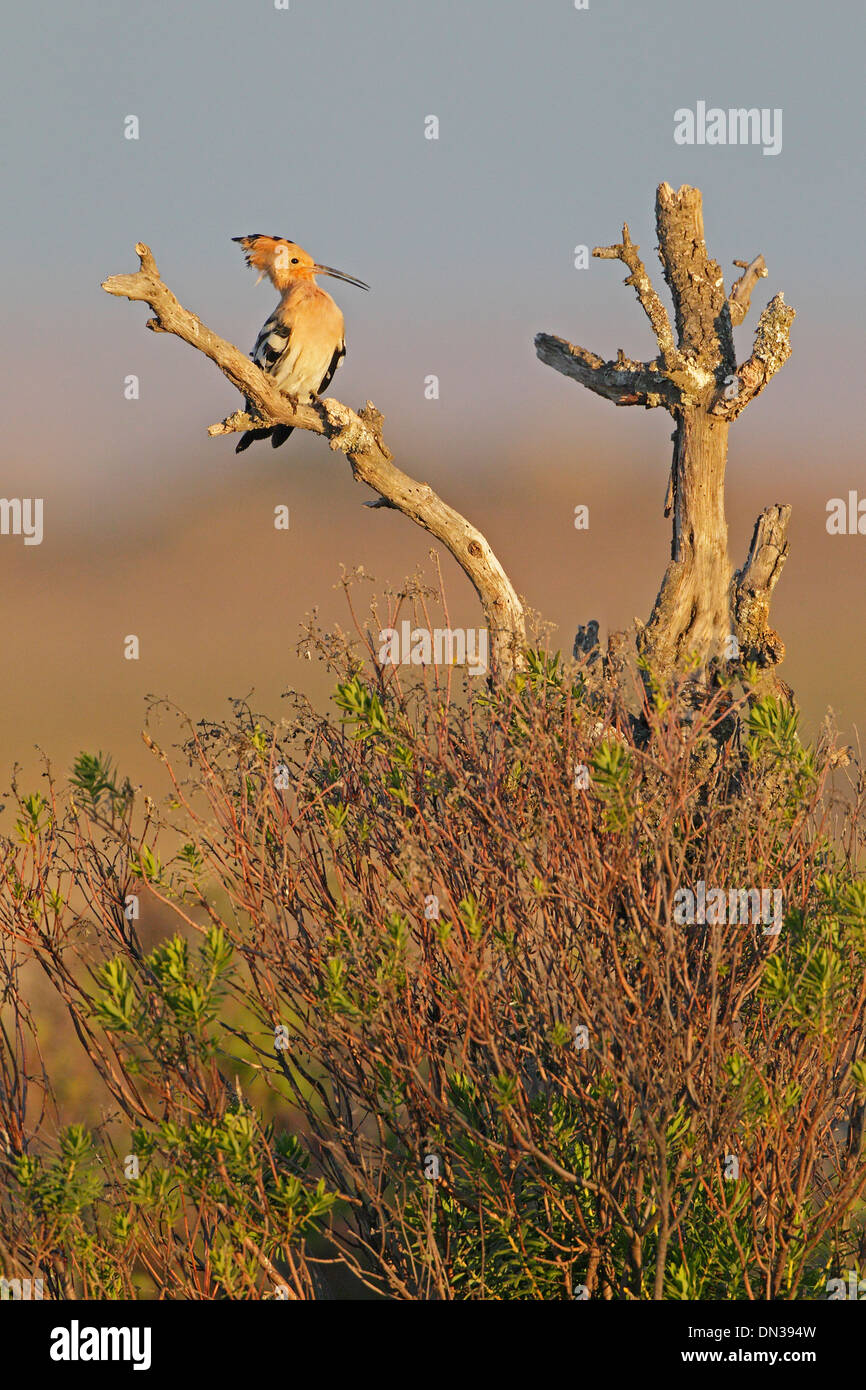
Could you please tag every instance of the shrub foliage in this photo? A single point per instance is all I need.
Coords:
(410, 1008)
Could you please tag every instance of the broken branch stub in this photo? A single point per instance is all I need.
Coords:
(359, 437)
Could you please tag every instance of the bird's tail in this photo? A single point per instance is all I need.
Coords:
(277, 434)
(250, 438)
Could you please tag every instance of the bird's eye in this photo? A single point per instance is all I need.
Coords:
(294, 260)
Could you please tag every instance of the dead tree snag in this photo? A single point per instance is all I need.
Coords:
(702, 602)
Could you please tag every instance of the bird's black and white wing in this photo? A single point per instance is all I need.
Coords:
(271, 346)
(339, 354)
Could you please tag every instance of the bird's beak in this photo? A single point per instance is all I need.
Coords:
(338, 275)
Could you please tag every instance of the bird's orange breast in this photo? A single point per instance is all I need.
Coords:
(315, 326)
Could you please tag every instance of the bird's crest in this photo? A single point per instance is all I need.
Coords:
(271, 255)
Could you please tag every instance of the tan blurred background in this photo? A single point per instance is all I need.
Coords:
(555, 125)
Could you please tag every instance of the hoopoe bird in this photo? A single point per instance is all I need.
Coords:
(303, 342)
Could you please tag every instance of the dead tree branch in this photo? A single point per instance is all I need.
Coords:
(771, 351)
(740, 298)
(359, 437)
(624, 382)
(627, 252)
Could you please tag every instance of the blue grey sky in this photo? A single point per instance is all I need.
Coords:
(555, 125)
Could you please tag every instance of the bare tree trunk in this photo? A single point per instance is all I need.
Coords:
(692, 612)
